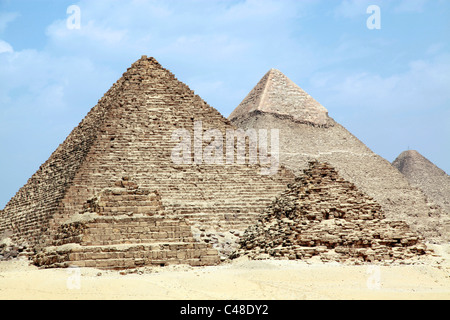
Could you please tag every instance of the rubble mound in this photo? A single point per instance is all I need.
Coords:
(321, 214)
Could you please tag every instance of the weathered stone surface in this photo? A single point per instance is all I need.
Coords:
(114, 233)
(425, 175)
(301, 142)
(129, 134)
(10, 250)
(323, 215)
(277, 94)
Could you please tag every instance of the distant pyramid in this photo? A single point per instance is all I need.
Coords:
(277, 94)
(307, 133)
(424, 174)
(323, 215)
(128, 134)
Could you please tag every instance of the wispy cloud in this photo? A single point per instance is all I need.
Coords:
(352, 8)
(5, 47)
(420, 88)
(6, 18)
(410, 6)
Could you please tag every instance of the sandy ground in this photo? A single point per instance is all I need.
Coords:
(238, 280)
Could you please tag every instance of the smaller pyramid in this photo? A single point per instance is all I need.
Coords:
(323, 215)
(277, 94)
(124, 227)
(424, 174)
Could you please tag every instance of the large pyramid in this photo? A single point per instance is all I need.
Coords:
(122, 152)
(424, 174)
(308, 133)
(323, 215)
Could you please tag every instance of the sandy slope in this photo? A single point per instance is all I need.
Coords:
(242, 279)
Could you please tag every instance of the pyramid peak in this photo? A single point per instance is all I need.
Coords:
(410, 153)
(276, 94)
(412, 160)
(426, 176)
(145, 61)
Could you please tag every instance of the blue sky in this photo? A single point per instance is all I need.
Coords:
(389, 87)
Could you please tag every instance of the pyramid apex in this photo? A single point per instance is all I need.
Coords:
(414, 154)
(411, 161)
(151, 59)
(144, 60)
(276, 94)
(143, 67)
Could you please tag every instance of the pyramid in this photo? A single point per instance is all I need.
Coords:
(424, 174)
(128, 136)
(308, 133)
(323, 215)
(124, 227)
(277, 94)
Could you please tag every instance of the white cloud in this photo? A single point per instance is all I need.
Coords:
(435, 48)
(410, 6)
(6, 18)
(5, 47)
(227, 28)
(421, 87)
(100, 35)
(390, 113)
(352, 8)
(49, 87)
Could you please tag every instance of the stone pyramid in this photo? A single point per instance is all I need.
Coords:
(277, 94)
(128, 136)
(424, 174)
(322, 214)
(308, 133)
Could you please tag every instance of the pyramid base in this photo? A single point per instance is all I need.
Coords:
(127, 256)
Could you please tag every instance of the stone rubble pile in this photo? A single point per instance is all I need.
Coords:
(323, 215)
(10, 250)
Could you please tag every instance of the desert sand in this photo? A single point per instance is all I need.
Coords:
(241, 279)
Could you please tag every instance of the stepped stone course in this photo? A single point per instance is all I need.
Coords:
(323, 215)
(122, 227)
(301, 142)
(129, 134)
